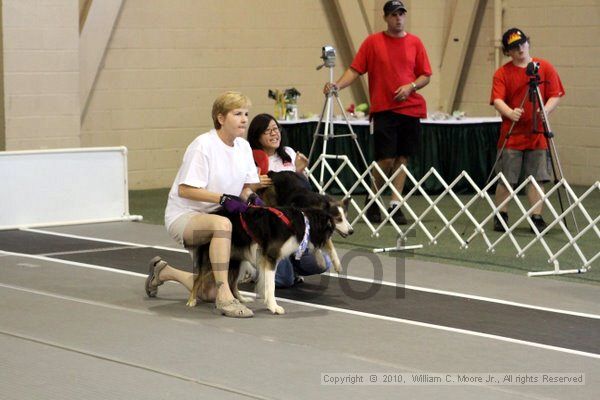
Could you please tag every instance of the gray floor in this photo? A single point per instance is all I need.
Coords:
(71, 331)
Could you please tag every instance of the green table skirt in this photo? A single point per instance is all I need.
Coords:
(449, 148)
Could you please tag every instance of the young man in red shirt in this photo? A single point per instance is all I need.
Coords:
(526, 147)
(398, 66)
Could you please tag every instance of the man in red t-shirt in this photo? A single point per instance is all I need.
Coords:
(398, 66)
(526, 147)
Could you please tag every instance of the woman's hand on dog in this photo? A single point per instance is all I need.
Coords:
(301, 162)
(265, 181)
(254, 200)
(233, 204)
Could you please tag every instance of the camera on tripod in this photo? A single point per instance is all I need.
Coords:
(328, 56)
(533, 68)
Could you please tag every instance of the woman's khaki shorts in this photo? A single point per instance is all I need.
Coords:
(177, 228)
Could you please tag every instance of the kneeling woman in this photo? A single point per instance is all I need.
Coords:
(216, 164)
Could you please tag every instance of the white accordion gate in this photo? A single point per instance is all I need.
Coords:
(450, 223)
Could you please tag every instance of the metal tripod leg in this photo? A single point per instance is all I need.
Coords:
(325, 115)
(553, 157)
(316, 134)
(360, 152)
(499, 155)
(508, 134)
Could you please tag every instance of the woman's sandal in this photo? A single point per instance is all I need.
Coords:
(152, 282)
(234, 309)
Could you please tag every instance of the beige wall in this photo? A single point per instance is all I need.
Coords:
(168, 59)
(41, 73)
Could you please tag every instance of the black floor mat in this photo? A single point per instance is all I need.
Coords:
(18, 241)
(131, 259)
(521, 323)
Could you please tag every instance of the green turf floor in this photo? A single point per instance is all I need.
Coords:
(151, 204)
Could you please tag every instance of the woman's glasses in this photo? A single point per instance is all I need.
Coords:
(269, 131)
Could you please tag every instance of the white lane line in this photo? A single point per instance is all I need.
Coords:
(98, 250)
(367, 280)
(94, 239)
(329, 308)
(447, 329)
(466, 296)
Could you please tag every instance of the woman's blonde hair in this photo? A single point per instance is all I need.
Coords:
(226, 102)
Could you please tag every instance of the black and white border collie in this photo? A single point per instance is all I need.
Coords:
(289, 189)
(263, 236)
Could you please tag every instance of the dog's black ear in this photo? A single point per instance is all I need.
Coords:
(346, 203)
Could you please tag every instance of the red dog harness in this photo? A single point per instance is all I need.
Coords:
(275, 211)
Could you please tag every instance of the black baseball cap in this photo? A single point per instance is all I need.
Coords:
(512, 38)
(393, 6)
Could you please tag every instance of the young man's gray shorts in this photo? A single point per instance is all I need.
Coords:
(528, 162)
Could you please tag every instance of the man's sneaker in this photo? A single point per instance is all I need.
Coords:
(497, 224)
(539, 223)
(373, 213)
(398, 216)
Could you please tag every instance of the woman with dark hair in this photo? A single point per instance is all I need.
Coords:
(264, 135)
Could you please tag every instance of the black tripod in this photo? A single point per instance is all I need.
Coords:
(535, 97)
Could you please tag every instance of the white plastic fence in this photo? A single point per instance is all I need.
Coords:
(63, 186)
(476, 226)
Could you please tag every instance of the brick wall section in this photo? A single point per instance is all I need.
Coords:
(41, 74)
(167, 61)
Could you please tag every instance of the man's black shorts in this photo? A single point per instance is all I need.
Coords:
(395, 135)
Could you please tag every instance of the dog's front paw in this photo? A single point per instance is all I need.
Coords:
(191, 302)
(337, 266)
(275, 309)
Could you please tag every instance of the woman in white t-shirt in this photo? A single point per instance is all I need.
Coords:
(217, 168)
(264, 133)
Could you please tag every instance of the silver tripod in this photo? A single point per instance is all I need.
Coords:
(326, 119)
